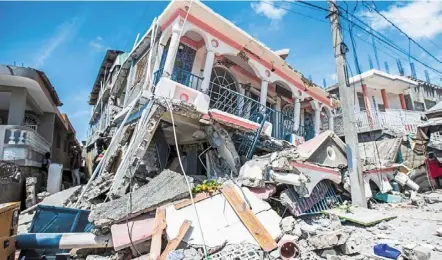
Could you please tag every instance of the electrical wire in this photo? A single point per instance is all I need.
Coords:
(185, 176)
(383, 39)
(374, 8)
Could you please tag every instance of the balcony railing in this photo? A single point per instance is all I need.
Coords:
(306, 131)
(23, 144)
(393, 119)
(232, 102)
(181, 76)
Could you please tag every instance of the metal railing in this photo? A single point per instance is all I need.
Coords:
(181, 76)
(393, 119)
(306, 131)
(186, 78)
(232, 102)
(157, 76)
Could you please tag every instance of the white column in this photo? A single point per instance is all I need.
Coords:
(296, 114)
(171, 53)
(263, 96)
(210, 57)
(317, 116)
(278, 119)
(242, 91)
(331, 122)
(158, 57)
(129, 83)
(17, 106)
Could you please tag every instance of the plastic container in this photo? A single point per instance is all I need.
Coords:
(386, 251)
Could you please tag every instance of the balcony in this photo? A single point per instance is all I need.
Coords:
(22, 145)
(396, 120)
(181, 76)
(231, 102)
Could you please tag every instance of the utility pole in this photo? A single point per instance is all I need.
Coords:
(348, 111)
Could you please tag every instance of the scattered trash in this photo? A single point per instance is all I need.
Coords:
(385, 250)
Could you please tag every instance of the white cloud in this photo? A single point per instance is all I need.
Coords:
(267, 9)
(332, 77)
(63, 31)
(98, 44)
(419, 19)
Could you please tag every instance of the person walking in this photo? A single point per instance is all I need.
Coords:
(75, 167)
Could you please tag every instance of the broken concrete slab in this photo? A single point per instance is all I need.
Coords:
(353, 245)
(361, 216)
(328, 239)
(416, 252)
(219, 222)
(168, 186)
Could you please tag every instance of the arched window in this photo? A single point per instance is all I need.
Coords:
(30, 121)
(222, 91)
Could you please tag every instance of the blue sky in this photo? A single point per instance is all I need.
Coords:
(68, 40)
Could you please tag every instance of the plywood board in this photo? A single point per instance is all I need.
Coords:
(198, 197)
(361, 216)
(249, 219)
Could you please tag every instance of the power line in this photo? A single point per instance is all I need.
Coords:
(377, 35)
(295, 12)
(374, 7)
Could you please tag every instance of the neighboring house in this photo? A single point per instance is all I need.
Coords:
(30, 122)
(207, 58)
(425, 96)
(382, 102)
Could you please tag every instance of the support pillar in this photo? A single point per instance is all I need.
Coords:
(296, 114)
(385, 99)
(367, 105)
(403, 103)
(317, 116)
(331, 122)
(278, 120)
(208, 65)
(17, 106)
(171, 54)
(263, 94)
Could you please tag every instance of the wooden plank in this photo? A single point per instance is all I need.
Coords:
(159, 226)
(173, 244)
(248, 218)
(198, 197)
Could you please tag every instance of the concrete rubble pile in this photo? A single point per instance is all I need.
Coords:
(204, 198)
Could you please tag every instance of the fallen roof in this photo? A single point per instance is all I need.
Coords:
(307, 149)
(378, 154)
(108, 61)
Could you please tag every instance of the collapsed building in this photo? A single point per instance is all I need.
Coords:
(200, 91)
(199, 105)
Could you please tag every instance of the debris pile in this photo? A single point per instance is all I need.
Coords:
(176, 183)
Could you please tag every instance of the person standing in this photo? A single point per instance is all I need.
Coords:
(75, 167)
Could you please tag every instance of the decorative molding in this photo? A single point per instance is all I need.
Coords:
(214, 43)
(267, 72)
